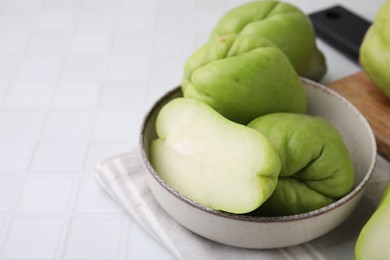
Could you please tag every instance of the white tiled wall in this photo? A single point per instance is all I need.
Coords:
(76, 77)
(32, 237)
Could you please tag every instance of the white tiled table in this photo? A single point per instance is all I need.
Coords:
(76, 77)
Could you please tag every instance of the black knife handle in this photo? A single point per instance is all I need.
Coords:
(341, 28)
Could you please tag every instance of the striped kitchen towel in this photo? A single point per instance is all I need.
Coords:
(123, 177)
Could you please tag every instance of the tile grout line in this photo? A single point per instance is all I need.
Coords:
(146, 105)
(76, 179)
(63, 242)
(127, 235)
(22, 176)
(121, 252)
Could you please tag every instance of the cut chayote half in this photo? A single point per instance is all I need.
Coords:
(316, 165)
(284, 25)
(212, 160)
(243, 77)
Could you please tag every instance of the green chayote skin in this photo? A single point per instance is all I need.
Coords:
(316, 166)
(284, 25)
(373, 240)
(375, 50)
(243, 77)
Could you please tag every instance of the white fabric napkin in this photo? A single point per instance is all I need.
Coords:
(123, 178)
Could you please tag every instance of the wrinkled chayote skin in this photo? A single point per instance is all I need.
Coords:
(316, 166)
(243, 77)
(375, 50)
(284, 25)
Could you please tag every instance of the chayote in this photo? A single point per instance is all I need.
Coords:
(373, 240)
(375, 50)
(243, 77)
(316, 165)
(284, 25)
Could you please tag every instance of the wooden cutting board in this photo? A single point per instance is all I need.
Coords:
(372, 103)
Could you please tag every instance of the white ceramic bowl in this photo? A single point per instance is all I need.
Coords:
(272, 232)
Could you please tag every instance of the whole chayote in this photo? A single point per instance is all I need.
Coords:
(243, 77)
(284, 25)
(375, 50)
(316, 165)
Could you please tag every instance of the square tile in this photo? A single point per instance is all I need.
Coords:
(24, 5)
(85, 68)
(96, 22)
(56, 156)
(49, 43)
(104, 6)
(8, 188)
(139, 244)
(167, 72)
(207, 19)
(94, 238)
(122, 95)
(13, 42)
(135, 45)
(90, 43)
(66, 124)
(76, 94)
(14, 155)
(176, 22)
(45, 194)
(174, 46)
(57, 21)
(157, 90)
(122, 69)
(40, 68)
(140, 6)
(200, 39)
(165, 75)
(135, 22)
(3, 4)
(218, 7)
(16, 21)
(38, 237)
(98, 151)
(8, 65)
(64, 6)
(92, 199)
(21, 122)
(2, 224)
(30, 93)
(5, 85)
(117, 125)
(177, 6)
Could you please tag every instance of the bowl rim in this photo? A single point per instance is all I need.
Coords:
(261, 219)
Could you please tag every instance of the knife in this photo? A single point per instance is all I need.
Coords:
(344, 30)
(341, 28)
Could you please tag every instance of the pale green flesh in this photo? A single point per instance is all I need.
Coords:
(213, 161)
